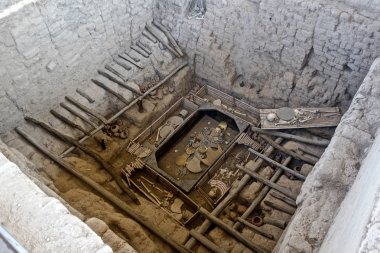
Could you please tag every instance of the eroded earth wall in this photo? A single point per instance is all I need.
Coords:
(276, 53)
(48, 48)
(332, 177)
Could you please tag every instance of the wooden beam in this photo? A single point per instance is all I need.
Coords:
(107, 166)
(231, 195)
(140, 51)
(78, 115)
(206, 242)
(278, 165)
(86, 109)
(310, 160)
(262, 193)
(267, 182)
(127, 107)
(130, 60)
(169, 36)
(159, 38)
(106, 194)
(115, 80)
(323, 143)
(257, 229)
(69, 122)
(231, 231)
(105, 87)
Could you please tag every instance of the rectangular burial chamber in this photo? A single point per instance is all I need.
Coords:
(189, 152)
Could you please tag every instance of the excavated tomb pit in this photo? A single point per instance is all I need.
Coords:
(149, 139)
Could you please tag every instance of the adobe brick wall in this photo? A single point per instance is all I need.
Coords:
(293, 52)
(49, 48)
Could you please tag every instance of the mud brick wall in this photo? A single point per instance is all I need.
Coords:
(334, 177)
(49, 48)
(372, 5)
(276, 53)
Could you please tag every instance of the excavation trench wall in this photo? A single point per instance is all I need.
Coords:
(48, 48)
(276, 53)
(332, 177)
(323, 205)
(41, 223)
(272, 53)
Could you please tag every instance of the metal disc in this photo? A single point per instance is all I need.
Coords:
(190, 151)
(194, 165)
(285, 113)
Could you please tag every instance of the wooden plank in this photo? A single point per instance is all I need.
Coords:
(309, 117)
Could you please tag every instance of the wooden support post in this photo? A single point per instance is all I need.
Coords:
(69, 122)
(257, 229)
(289, 152)
(86, 109)
(78, 115)
(108, 167)
(106, 194)
(262, 193)
(267, 182)
(323, 143)
(130, 60)
(231, 231)
(122, 64)
(113, 79)
(143, 47)
(105, 87)
(278, 165)
(110, 77)
(115, 72)
(169, 36)
(85, 95)
(158, 37)
(206, 242)
(149, 36)
(309, 151)
(136, 59)
(139, 51)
